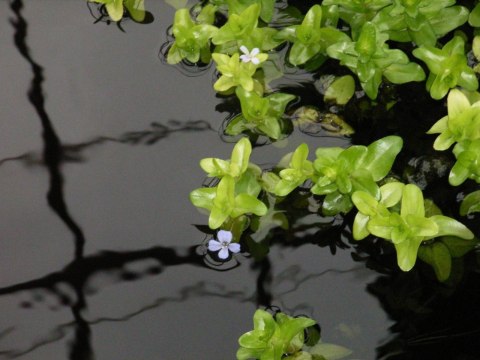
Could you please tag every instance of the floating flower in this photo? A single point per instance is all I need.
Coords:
(223, 245)
(250, 55)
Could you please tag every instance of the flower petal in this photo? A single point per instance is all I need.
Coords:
(244, 50)
(224, 236)
(254, 52)
(223, 254)
(245, 58)
(234, 247)
(214, 245)
(255, 60)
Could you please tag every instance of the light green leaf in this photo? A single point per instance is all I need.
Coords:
(449, 226)
(381, 155)
(470, 204)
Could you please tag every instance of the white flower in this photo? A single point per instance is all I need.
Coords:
(250, 56)
(223, 245)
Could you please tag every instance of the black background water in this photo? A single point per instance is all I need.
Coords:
(98, 254)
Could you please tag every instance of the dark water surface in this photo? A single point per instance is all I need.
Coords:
(98, 256)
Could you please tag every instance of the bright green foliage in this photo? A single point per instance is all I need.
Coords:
(461, 126)
(470, 204)
(298, 171)
(339, 172)
(420, 21)
(192, 40)
(235, 167)
(115, 8)
(357, 12)
(440, 253)
(474, 18)
(467, 165)
(272, 338)
(237, 191)
(267, 7)
(340, 90)
(241, 29)
(223, 202)
(371, 59)
(310, 39)
(448, 68)
(237, 73)
(260, 115)
(406, 227)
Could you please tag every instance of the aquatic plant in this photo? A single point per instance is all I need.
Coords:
(371, 59)
(116, 8)
(399, 216)
(260, 115)
(420, 21)
(448, 67)
(310, 39)
(237, 73)
(192, 40)
(282, 337)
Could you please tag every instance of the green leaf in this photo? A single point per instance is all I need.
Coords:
(438, 256)
(381, 155)
(407, 252)
(403, 73)
(365, 203)
(341, 90)
(203, 197)
(470, 204)
(360, 230)
(449, 226)
(240, 157)
(136, 9)
(391, 193)
(412, 201)
(458, 247)
(336, 203)
(245, 203)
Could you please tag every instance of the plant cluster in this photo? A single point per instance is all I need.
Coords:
(116, 8)
(282, 337)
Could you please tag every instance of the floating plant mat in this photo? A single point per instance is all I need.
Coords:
(105, 257)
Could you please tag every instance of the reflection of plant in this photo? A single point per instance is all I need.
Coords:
(448, 67)
(115, 8)
(192, 40)
(405, 225)
(371, 59)
(282, 337)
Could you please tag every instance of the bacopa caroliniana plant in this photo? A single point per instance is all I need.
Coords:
(399, 216)
(116, 8)
(282, 337)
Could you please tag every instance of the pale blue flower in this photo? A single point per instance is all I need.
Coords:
(223, 245)
(250, 55)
